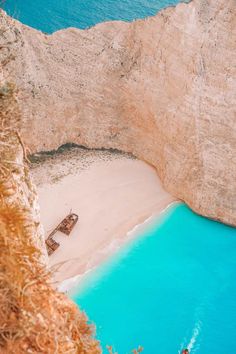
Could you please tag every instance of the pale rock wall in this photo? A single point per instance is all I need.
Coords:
(161, 88)
(25, 194)
(16, 188)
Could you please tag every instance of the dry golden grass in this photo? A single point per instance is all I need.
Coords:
(34, 318)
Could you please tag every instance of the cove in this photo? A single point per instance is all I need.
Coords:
(50, 16)
(171, 287)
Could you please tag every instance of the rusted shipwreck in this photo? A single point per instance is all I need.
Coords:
(65, 226)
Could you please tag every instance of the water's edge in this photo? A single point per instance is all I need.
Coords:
(71, 285)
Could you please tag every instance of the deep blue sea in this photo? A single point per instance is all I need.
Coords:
(51, 15)
(172, 287)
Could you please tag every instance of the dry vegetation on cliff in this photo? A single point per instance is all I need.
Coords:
(34, 318)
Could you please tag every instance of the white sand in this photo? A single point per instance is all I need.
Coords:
(110, 197)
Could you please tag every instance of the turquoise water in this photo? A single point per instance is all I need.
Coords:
(172, 287)
(51, 15)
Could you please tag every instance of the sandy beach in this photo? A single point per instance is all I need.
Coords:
(111, 193)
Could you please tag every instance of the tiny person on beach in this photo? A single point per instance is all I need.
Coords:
(185, 351)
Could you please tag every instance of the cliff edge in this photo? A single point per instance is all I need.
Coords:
(34, 318)
(161, 88)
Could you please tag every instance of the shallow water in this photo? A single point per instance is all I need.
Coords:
(52, 15)
(172, 287)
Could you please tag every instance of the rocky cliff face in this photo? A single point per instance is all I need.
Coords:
(15, 184)
(34, 318)
(161, 88)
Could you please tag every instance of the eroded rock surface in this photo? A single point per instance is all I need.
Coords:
(161, 88)
(34, 318)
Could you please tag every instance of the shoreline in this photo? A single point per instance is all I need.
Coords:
(113, 194)
(70, 284)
